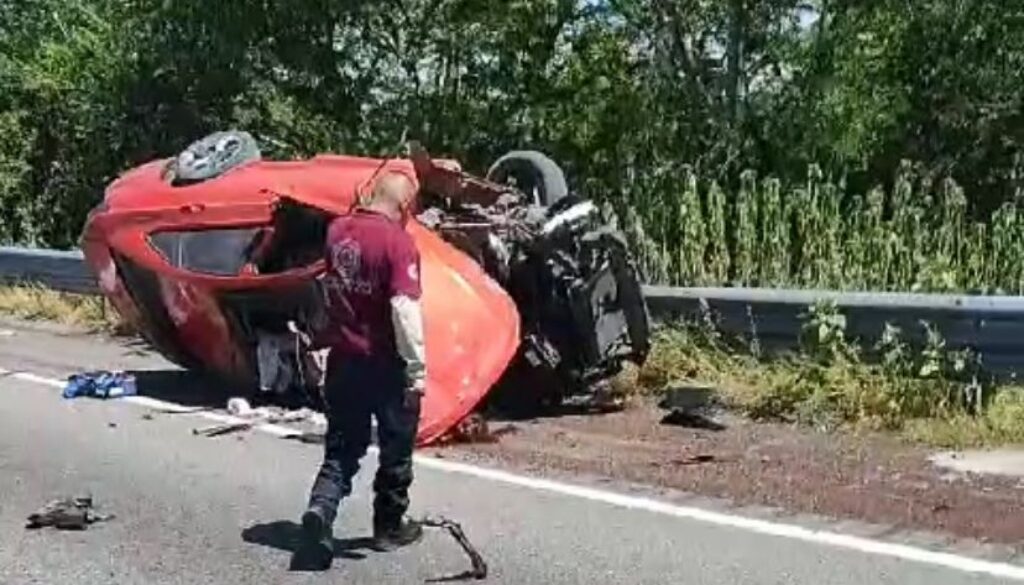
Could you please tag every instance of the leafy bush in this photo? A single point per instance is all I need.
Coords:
(931, 393)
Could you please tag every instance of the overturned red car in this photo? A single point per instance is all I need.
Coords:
(215, 256)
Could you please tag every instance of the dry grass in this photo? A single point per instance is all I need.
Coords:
(1002, 423)
(36, 303)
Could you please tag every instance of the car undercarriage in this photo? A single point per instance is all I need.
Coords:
(571, 275)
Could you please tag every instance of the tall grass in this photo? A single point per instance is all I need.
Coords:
(916, 235)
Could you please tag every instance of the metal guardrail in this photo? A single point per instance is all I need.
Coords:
(991, 325)
(60, 270)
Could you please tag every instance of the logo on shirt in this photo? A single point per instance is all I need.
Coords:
(414, 274)
(346, 276)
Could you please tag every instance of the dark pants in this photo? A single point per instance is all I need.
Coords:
(355, 389)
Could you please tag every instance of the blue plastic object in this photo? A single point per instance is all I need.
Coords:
(100, 384)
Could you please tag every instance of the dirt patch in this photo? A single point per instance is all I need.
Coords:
(870, 478)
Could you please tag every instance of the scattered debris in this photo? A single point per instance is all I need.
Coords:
(479, 567)
(112, 425)
(248, 417)
(147, 416)
(100, 384)
(239, 407)
(6, 333)
(692, 420)
(474, 429)
(192, 410)
(67, 514)
(690, 405)
(222, 429)
(308, 438)
(694, 459)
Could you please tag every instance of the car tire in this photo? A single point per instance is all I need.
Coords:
(214, 155)
(534, 172)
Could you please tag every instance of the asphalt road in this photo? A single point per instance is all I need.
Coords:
(222, 510)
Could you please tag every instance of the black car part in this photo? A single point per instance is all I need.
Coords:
(570, 274)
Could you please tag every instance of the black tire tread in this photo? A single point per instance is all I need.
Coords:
(552, 178)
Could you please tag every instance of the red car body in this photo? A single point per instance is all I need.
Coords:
(472, 325)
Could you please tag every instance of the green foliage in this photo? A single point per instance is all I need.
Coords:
(823, 334)
(756, 143)
(926, 392)
(818, 236)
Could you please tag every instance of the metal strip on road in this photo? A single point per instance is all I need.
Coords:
(764, 527)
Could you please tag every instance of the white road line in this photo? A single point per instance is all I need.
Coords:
(778, 529)
(156, 404)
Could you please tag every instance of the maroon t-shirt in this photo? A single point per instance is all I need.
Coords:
(370, 259)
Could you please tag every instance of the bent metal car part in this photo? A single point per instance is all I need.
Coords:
(215, 256)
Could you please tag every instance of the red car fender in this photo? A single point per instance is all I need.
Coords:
(472, 333)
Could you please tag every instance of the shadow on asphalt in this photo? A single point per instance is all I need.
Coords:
(194, 390)
(180, 387)
(286, 536)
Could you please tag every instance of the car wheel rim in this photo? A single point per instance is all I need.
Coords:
(227, 148)
(202, 157)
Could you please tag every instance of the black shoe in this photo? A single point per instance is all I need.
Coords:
(390, 536)
(317, 548)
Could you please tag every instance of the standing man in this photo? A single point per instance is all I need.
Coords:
(376, 365)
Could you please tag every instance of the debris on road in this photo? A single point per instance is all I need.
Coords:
(240, 408)
(67, 514)
(249, 417)
(307, 438)
(479, 566)
(690, 405)
(694, 459)
(692, 420)
(176, 410)
(474, 429)
(100, 384)
(222, 428)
